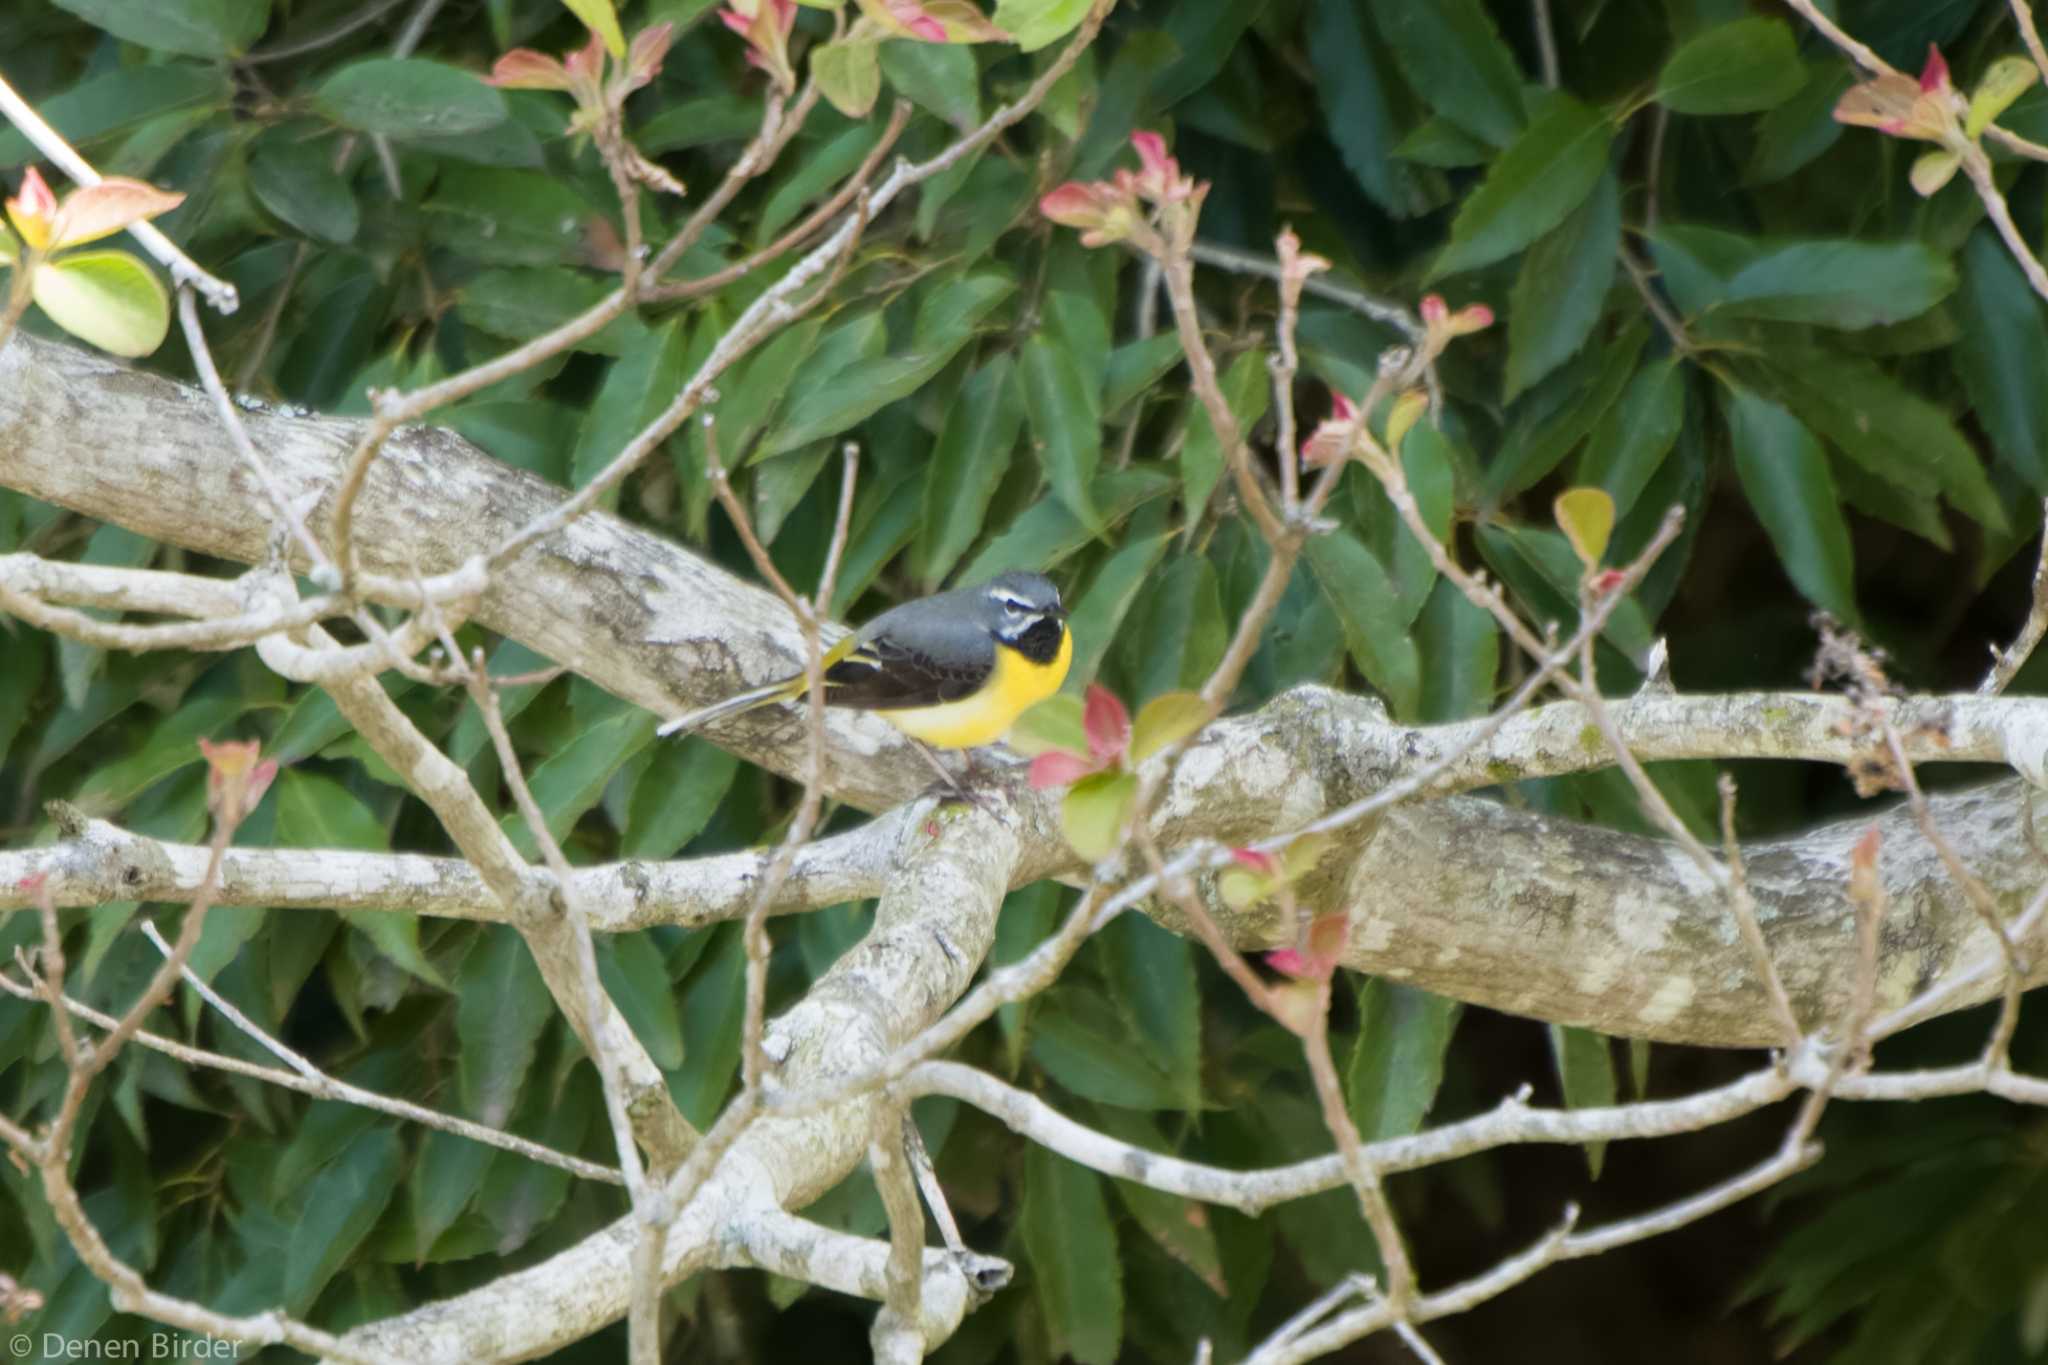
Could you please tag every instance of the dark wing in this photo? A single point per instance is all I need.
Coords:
(911, 659)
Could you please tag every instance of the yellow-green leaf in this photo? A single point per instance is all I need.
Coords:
(2007, 79)
(849, 74)
(1586, 516)
(1932, 170)
(1054, 723)
(1166, 719)
(1094, 812)
(600, 18)
(1407, 408)
(107, 298)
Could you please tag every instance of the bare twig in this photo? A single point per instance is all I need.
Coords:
(184, 270)
(677, 290)
(1357, 300)
(1546, 42)
(2006, 664)
(307, 1079)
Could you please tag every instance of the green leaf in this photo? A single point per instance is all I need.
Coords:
(502, 1009)
(1802, 127)
(500, 215)
(1033, 24)
(1136, 366)
(1151, 975)
(1580, 396)
(836, 400)
(1430, 462)
(1092, 815)
(816, 175)
(295, 180)
(318, 812)
(1055, 723)
(1562, 286)
(1166, 719)
(1735, 68)
(849, 74)
(1357, 89)
(445, 1179)
(1830, 282)
(20, 683)
(1247, 387)
(1585, 1072)
(940, 77)
(407, 97)
(1454, 59)
(1180, 1227)
(631, 968)
(637, 387)
(1636, 434)
(713, 1010)
(1460, 649)
(1178, 632)
(107, 298)
(676, 797)
(1098, 616)
(1881, 424)
(1047, 532)
(193, 28)
(521, 303)
(1544, 572)
(1443, 144)
(2002, 356)
(1395, 1071)
(973, 453)
(1084, 1045)
(600, 18)
(341, 1204)
(1075, 1268)
(1357, 586)
(1785, 475)
(172, 744)
(1065, 424)
(1531, 188)
(570, 781)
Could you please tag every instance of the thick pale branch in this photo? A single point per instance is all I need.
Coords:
(931, 931)
(1517, 910)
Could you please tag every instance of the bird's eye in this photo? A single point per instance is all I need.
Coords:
(1016, 605)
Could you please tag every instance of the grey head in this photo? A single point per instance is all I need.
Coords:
(1023, 609)
(1017, 600)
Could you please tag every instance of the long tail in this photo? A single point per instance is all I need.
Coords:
(733, 706)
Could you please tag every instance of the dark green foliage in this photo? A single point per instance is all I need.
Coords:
(1845, 387)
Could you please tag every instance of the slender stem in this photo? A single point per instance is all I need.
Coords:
(45, 139)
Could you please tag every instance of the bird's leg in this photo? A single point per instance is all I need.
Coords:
(952, 785)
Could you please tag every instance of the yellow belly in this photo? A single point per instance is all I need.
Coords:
(983, 718)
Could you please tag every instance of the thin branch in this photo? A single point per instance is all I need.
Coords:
(2023, 14)
(2006, 664)
(1357, 300)
(45, 139)
(1546, 42)
(678, 290)
(1974, 891)
(307, 1079)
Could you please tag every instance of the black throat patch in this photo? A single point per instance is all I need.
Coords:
(1039, 641)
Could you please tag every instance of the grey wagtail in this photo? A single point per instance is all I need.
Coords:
(953, 670)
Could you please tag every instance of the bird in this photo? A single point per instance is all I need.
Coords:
(952, 671)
